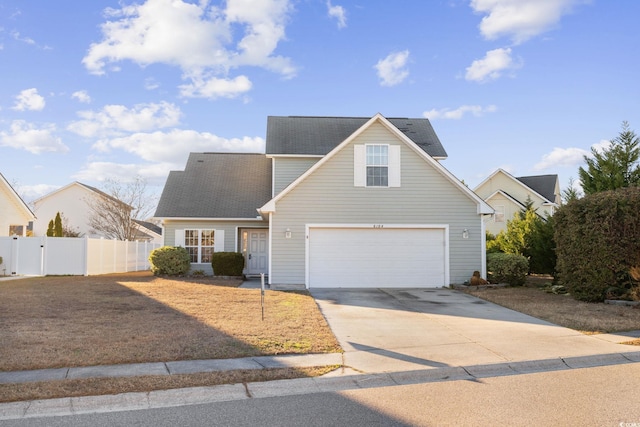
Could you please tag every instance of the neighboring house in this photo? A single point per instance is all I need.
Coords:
(148, 232)
(73, 201)
(509, 195)
(334, 202)
(15, 215)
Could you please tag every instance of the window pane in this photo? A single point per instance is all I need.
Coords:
(206, 255)
(191, 237)
(377, 155)
(207, 238)
(193, 253)
(377, 176)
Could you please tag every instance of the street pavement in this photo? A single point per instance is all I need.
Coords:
(391, 338)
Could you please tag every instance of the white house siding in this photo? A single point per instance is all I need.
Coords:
(288, 169)
(11, 212)
(72, 203)
(328, 196)
(230, 228)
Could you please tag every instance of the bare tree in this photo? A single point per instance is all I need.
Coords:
(116, 207)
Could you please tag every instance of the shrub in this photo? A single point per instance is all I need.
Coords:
(598, 244)
(507, 268)
(170, 260)
(227, 263)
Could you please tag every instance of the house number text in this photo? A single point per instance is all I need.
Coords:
(378, 226)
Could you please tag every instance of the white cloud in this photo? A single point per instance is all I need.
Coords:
(520, 20)
(33, 192)
(154, 174)
(174, 146)
(196, 37)
(114, 119)
(458, 113)
(26, 136)
(604, 144)
(339, 13)
(16, 36)
(391, 70)
(216, 88)
(492, 66)
(561, 157)
(29, 99)
(161, 152)
(81, 96)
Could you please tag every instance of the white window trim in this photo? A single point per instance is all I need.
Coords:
(218, 240)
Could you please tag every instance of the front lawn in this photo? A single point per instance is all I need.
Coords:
(562, 310)
(68, 321)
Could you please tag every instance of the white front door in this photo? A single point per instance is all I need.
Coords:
(255, 248)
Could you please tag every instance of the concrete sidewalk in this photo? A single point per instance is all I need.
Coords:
(172, 368)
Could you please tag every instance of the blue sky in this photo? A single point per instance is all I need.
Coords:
(95, 90)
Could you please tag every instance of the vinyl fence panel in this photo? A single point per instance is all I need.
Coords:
(37, 256)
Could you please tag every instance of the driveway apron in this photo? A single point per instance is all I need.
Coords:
(387, 330)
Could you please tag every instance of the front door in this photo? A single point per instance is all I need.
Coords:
(256, 251)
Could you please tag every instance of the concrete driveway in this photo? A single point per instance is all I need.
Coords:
(387, 330)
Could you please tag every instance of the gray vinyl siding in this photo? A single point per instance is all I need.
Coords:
(231, 240)
(328, 196)
(288, 169)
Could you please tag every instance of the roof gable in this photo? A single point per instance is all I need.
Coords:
(483, 207)
(542, 186)
(545, 185)
(13, 194)
(317, 136)
(91, 191)
(217, 185)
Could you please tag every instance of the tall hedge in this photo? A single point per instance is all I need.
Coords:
(598, 243)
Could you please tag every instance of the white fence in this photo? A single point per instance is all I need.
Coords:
(41, 256)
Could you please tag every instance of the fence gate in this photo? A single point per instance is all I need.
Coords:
(40, 256)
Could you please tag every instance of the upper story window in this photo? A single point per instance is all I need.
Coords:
(498, 215)
(377, 165)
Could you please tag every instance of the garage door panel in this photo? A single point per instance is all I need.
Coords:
(391, 257)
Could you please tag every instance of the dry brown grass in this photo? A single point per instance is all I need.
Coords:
(70, 321)
(562, 310)
(103, 386)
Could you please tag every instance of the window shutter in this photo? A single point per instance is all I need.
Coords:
(394, 166)
(218, 243)
(179, 238)
(359, 166)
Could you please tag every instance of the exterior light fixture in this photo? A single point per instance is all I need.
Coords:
(465, 234)
(287, 234)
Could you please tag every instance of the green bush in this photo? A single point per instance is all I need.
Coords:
(170, 260)
(227, 263)
(507, 268)
(598, 244)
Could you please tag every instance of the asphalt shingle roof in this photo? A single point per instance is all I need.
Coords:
(545, 185)
(300, 135)
(217, 185)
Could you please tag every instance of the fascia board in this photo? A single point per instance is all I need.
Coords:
(27, 210)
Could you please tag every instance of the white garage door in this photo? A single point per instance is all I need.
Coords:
(376, 257)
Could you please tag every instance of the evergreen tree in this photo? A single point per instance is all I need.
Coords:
(50, 229)
(57, 230)
(570, 193)
(615, 167)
